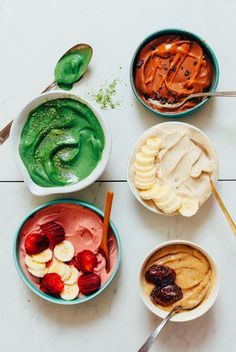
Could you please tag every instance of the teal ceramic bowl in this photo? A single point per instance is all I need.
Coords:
(32, 286)
(192, 36)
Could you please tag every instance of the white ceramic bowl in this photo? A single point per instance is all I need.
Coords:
(151, 132)
(187, 315)
(15, 136)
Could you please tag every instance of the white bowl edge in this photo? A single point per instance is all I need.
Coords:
(15, 135)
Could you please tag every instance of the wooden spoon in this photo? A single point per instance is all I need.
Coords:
(221, 204)
(103, 248)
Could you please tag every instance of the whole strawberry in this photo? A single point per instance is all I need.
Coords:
(36, 243)
(89, 283)
(85, 261)
(54, 232)
(52, 284)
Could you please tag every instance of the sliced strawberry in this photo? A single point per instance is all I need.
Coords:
(52, 284)
(54, 232)
(85, 261)
(89, 283)
(36, 243)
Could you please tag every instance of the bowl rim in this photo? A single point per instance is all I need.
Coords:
(129, 181)
(189, 315)
(15, 137)
(205, 46)
(31, 286)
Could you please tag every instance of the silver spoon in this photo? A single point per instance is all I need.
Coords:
(4, 133)
(177, 309)
(192, 96)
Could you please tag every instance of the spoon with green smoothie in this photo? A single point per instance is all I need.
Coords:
(69, 69)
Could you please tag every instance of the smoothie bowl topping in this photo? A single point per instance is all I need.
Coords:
(170, 169)
(60, 143)
(57, 252)
(170, 66)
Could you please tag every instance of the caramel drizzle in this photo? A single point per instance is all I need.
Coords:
(181, 50)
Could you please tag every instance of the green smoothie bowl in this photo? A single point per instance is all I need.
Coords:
(60, 143)
(56, 252)
(168, 66)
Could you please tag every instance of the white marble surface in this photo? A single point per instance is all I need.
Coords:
(117, 320)
(33, 35)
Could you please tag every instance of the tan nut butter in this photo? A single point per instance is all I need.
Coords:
(194, 274)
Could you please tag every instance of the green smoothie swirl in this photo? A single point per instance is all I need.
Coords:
(61, 142)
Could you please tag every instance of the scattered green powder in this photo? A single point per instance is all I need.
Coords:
(106, 94)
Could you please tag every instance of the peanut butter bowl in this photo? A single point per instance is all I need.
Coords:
(179, 273)
(170, 169)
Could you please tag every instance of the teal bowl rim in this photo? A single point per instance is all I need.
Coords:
(205, 46)
(32, 286)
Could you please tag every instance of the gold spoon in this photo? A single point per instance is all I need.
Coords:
(192, 96)
(221, 204)
(4, 133)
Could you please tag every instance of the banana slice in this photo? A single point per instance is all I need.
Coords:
(38, 273)
(163, 194)
(33, 264)
(44, 256)
(153, 143)
(64, 251)
(70, 292)
(67, 273)
(151, 153)
(150, 193)
(144, 178)
(57, 267)
(144, 185)
(141, 168)
(150, 173)
(74, 275)
(188, 207)
(144, 160)
(170, 205)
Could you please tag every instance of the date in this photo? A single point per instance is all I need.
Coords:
(160, 275)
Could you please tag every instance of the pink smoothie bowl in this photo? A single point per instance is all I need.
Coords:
(70, 216)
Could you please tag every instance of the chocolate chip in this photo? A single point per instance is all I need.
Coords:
(181, 67)
(174, 68)
(187, 73)
(171, 59)
(195, 62)
(139, 63)
(153, 47)
(156, 96)
(165, 67)
(204, 57)
(163, 100)
(146, 96)
(188, 78)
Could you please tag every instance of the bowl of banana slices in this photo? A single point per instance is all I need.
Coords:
(170, 168)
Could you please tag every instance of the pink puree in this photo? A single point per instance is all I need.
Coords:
(83, 228)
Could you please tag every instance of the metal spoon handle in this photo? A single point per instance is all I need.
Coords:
(230, 93)
(5, 132)
(147, 345)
